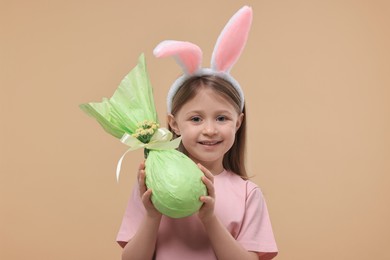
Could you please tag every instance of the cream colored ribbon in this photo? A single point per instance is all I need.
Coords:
(161, 140)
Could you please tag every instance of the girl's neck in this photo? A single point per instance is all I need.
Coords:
(214, 167)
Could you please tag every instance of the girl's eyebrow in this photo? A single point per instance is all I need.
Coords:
(223, 112)
(201, 112)
(194, 112)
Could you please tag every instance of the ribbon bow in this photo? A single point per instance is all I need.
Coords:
(161, 140)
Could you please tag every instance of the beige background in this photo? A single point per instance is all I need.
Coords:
(316, 76)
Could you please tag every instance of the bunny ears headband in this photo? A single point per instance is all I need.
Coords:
(226, 52)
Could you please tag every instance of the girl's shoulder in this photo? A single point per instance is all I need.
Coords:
(242, 192)
(236, 180)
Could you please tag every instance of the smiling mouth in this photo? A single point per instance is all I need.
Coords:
(210, 143)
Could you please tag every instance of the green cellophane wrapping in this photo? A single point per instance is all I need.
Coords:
(131, 103)
(174, 178)
(176, 192)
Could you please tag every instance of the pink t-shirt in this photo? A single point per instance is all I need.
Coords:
(239, 205)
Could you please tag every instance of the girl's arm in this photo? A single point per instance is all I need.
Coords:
(224, 245)
(142, 245)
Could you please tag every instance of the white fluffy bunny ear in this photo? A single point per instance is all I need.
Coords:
(232, 40)
(186, 54)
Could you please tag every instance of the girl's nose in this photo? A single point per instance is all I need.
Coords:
(210, 129)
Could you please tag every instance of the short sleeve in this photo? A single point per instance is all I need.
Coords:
(256, 231)
(132, 218)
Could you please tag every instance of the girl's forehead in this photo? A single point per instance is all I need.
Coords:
(208, 99)
(208, 93)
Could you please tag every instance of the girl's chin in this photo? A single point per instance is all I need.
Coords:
(207, 161)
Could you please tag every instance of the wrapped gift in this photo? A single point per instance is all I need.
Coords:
(130, 116)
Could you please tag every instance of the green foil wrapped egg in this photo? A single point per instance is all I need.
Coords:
(175, 181)
(130, 116)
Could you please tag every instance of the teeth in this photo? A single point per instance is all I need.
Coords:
(208, 143)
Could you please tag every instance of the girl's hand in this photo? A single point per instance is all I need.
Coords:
(206, 212)
(146, 193)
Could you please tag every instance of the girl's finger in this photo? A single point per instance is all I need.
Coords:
(140, 168)
(206, 199)
(206, 172)
(209, 185)
(142, 185)
(146, 196)
(142, 165)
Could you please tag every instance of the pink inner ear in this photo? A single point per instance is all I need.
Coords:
(188, 55)
(232, 40)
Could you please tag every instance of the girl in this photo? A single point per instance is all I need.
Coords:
(206, 108)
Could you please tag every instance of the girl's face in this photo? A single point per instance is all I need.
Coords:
(207, 124)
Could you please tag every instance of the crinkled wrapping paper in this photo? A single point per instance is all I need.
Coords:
(174, 178)
(174, 193)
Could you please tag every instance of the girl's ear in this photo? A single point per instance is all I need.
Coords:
(239, 121)
(173, 124)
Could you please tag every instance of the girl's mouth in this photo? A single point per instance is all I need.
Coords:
(210, 143)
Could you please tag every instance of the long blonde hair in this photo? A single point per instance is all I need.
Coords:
(234, 159)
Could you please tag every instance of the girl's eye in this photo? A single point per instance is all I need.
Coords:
(221, 118)
(196, 119)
